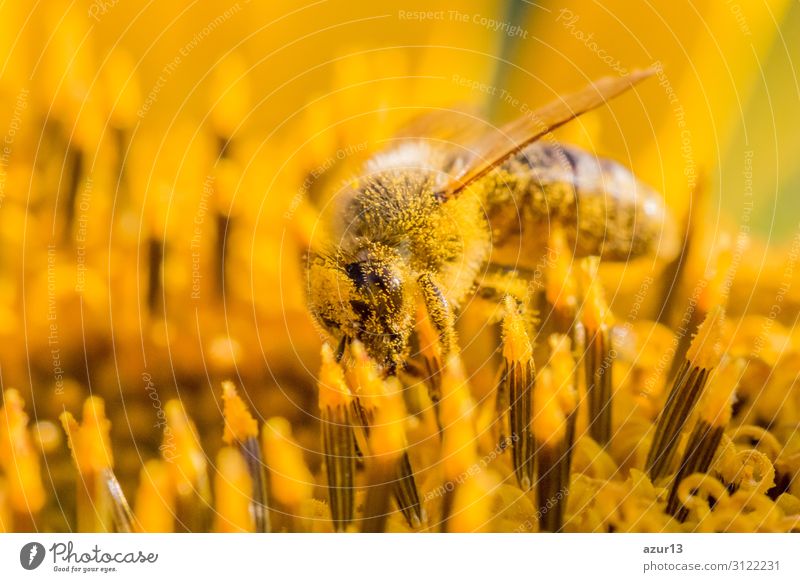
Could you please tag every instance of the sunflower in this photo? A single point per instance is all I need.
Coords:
(164, 168)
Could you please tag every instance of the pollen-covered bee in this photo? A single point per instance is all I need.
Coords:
(425, 220)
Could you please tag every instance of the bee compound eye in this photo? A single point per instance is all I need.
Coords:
(378, 284)
(373, 275)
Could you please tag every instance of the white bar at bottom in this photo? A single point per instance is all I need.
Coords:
(401, 557)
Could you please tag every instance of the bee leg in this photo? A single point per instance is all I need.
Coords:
(439, 312)
(436, 337)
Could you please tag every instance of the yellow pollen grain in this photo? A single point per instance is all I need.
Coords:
(705, 350)
(516, 344)
(239, 423)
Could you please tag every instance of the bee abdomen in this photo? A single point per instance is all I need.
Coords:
(599, 203)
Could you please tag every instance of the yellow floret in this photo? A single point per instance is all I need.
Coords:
(239, 423)
(706, 348)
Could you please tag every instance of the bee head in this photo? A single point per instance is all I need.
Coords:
(365, 298)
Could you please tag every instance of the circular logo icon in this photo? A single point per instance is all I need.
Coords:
(31, 555)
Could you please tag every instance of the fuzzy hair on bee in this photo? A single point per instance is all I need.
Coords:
(425, 219)
(388, 230)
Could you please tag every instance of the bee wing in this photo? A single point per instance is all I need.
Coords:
(517, 134)
(461, 124)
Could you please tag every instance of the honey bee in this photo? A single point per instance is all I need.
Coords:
(424, 222)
